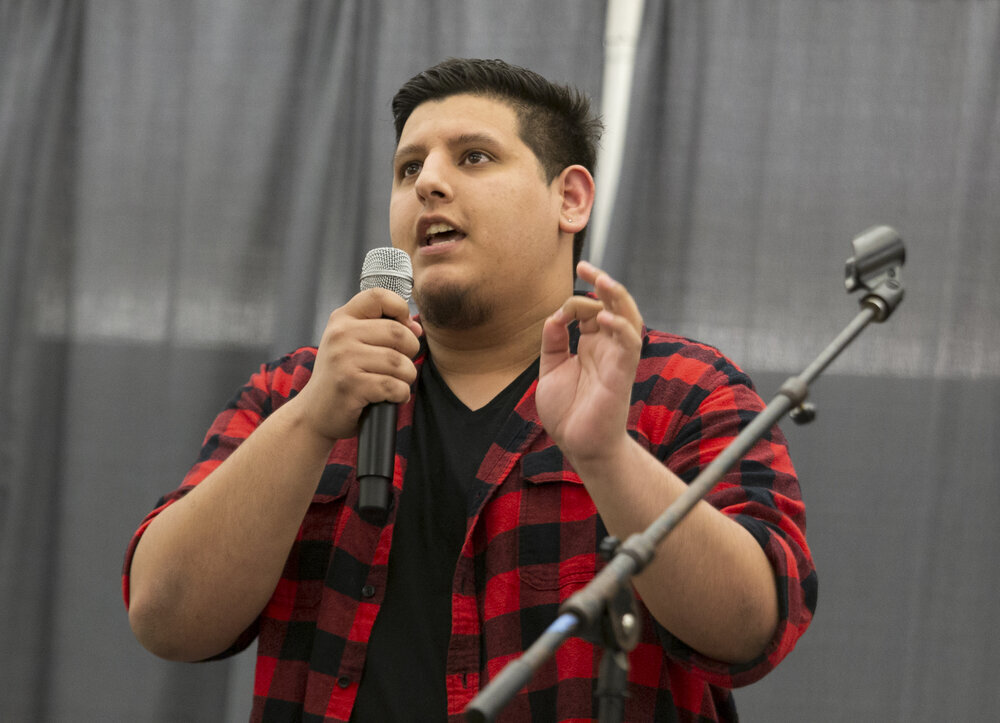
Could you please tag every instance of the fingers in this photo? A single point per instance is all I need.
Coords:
(582, 309)
(372, 334)
(381, 304)
(364, 356)
(384, 334)
(614, 310)
(612, 295)
(354, 357)
(387, 320)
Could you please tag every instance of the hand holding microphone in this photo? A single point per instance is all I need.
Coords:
(384, 268)
(363, 368)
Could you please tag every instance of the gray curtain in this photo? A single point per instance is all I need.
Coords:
(187, 189)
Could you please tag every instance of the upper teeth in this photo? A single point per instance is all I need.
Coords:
(439, 228)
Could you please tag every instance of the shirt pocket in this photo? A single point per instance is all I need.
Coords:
(559, 530)
(302, 581)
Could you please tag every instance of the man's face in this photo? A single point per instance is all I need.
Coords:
(471, 206)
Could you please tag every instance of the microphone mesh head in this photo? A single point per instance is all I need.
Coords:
(388, 268)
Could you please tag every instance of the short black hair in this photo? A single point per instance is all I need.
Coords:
(555, 121)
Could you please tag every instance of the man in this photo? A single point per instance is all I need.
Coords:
(532, 422)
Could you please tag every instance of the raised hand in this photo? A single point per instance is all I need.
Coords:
(583, 399)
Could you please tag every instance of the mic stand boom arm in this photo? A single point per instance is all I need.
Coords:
(600, 610)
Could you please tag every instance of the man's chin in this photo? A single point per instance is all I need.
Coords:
(450, 306)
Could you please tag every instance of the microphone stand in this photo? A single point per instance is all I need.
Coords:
(605, 610)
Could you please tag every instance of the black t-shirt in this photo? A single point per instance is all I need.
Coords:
(407, 652)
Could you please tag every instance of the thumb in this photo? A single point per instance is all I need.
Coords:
(555, 342)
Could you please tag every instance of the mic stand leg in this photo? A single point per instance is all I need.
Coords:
(617, 629)
(612, 686)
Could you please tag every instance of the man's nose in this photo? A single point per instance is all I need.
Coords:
(434, 179)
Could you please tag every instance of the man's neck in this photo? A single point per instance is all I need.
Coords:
(477, 364)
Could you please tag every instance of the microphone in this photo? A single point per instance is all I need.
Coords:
(383, 268)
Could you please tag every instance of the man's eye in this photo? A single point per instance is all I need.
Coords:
(476, 157)
(409, 169)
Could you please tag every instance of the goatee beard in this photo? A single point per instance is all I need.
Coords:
(452, 307)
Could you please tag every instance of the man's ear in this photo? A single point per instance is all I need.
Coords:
(577, 190)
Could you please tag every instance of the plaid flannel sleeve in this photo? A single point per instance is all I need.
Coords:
(271, 386)
(696, 403)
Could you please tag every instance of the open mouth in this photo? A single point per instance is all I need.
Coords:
(439, 233)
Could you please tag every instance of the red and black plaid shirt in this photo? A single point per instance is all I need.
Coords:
(531, 540)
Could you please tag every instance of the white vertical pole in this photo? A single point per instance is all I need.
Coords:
(620, 39)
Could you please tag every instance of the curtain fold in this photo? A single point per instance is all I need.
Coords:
(39, 62)
(767, 135)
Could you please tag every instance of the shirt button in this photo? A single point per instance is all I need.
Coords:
(343, 681)
(368, 591)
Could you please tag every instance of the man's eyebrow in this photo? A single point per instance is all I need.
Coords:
(411, 149)
(463, 139)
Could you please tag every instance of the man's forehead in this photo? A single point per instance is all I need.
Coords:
(462, 114)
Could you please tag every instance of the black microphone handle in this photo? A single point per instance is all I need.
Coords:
(376, 454)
